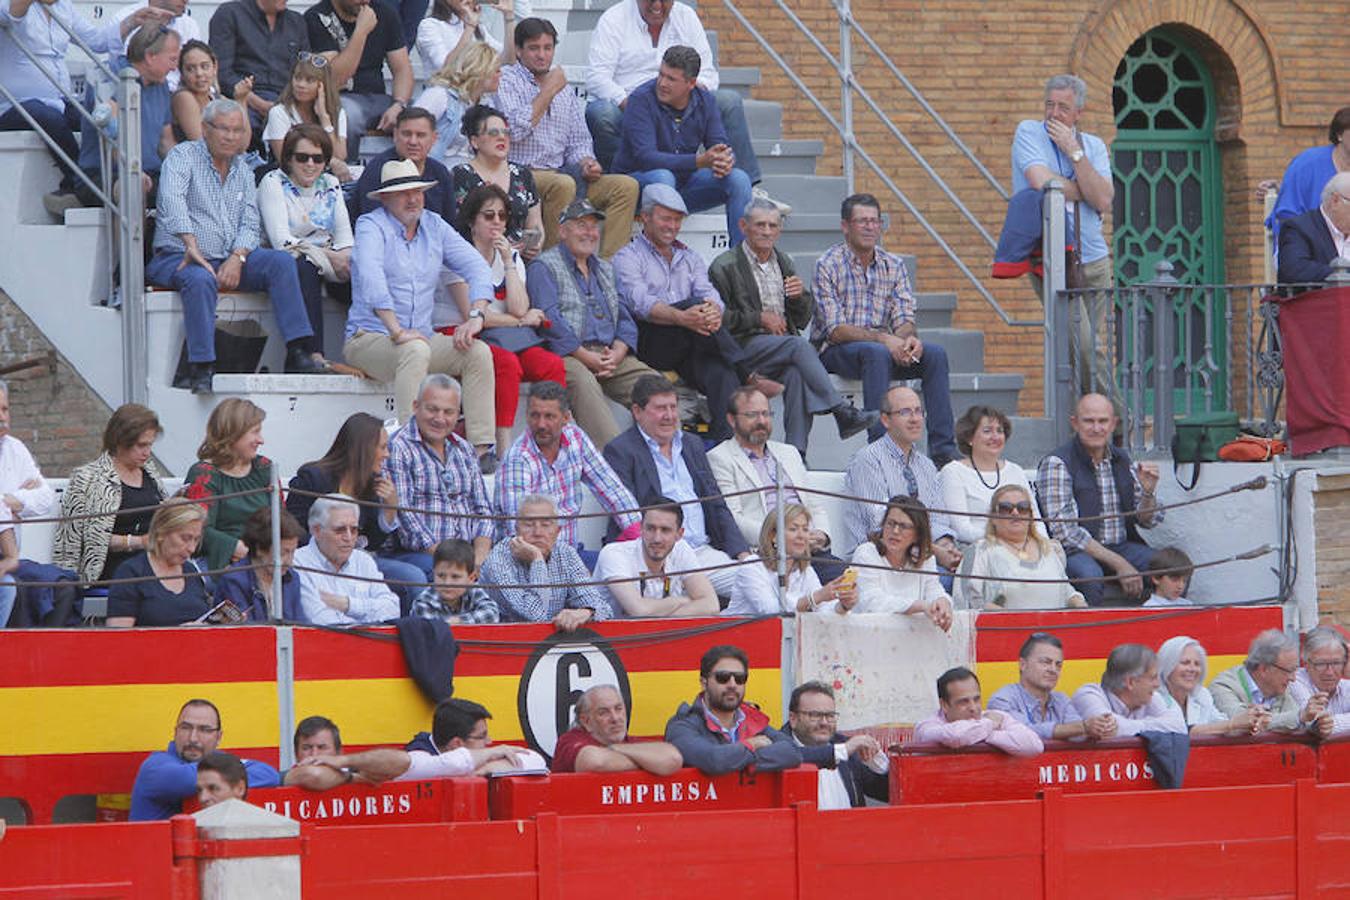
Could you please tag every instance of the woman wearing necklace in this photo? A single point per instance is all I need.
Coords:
(1013, 549)
(967, 484)
(490, 137)
(1182, 666)
(229, 463)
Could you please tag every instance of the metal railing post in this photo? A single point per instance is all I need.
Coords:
(782, 535)
(846, 87)
(131, 200)
(1058, 375)
(1160, 290)
(277, 609)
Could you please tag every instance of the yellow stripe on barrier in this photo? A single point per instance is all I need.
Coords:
(127, 718)
(1077, 672)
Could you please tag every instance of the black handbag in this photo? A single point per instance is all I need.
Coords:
(239, 349)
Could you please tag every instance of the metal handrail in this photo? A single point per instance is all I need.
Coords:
(851, 142)
(126, 215)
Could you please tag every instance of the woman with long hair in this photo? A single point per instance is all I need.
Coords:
(896, 569)
(1014, 549)
(177, 595)
(311, 96)
(457, 86)
(490, 137)
(229, 463)
(453, 27)
(197, 79)
(755, 592)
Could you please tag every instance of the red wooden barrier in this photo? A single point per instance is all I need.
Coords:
(587, 793)
(926, 773)
(392, 803)
(128, 861)
(1333, 761)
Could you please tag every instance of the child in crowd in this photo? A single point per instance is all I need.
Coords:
(456, 596)
(1169, 589)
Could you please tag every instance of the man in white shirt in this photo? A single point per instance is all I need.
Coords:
(182, 24)
(626, 50)
(851, 769)
(1321, 684)
(24, 493)
(660, 550)
(457, 745)
(748, 460)
(1129, 693)
(327, 595)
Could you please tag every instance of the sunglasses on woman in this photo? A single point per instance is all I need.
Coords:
(1021, 508)
(317, 60)
(309, 157)
(493, 215)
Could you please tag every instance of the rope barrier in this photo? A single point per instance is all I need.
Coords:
(130, 510)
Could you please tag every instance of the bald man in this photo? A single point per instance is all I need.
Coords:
(598, 741)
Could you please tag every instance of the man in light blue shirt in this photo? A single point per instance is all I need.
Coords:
(207, 242)
(1034, 700)
(1053, 147)
(396, 268)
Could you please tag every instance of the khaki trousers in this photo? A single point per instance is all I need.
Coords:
(614, 195)
(588, 394)
(407, 364)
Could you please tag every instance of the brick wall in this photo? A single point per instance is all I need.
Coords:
(52, 409)
(1276, 67)
(1332, 523)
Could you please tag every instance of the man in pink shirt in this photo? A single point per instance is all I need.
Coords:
(961, 722)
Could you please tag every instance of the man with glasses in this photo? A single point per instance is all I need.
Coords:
(1310, 242)
(207, 238)
(1129, 694)
(864, 325)
(332, 569)
(851, 769)
(534, 556)
(169, 777)
(893, 466)
(1322, 684)
(961, 721)
(720, 732)
(1034, 701)
(749, 460)
(1264, 680)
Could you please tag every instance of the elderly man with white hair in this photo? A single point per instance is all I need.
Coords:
(1127, 692)
(522, 571)
(1263, 680)
(1322, 682)
(207, 242)
(339, 584)
(1311, 241)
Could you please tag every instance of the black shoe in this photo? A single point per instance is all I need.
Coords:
(300, 361)
(852, 420)
(200, 381)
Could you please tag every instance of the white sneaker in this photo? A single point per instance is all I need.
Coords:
(57, 203)
(758, 193)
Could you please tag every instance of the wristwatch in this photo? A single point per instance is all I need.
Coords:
(243, 257)
(477, 314)
(1077, 155)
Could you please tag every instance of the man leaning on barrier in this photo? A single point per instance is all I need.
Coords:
(961, 722)
(1264, 680)
(851, 768)
(169, 777)
(457, 745)
(720, 732)
(1034, 700)
(598, 740)
(1128, 693)
(534, 577)
(1322, 680)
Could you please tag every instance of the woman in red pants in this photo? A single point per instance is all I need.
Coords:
(510, 326)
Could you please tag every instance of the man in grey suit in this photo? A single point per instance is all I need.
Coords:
(653, 459)
(748, 459)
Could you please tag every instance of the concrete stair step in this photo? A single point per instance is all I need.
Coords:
(934, 309)
(964, 347)
(765, 119)
(786, 157)
(741, 79)
(809, 193)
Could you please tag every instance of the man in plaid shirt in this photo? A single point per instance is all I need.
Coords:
(548, 134)
(554, 457)
(864, 324)
(435, 469)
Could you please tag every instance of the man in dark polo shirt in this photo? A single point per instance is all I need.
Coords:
(598, 742)
(361, 36)
(256, 39)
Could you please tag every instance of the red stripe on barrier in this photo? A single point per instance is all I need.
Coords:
(83, 656)
(999, 635)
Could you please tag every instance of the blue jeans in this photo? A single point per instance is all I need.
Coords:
(62, 126)
(392, 569)
(1079, 564)
(704, 190)
(7, 594)
(871, 362)
(271, 271)
(605, 121)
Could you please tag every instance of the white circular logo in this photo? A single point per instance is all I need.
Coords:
(559, 671)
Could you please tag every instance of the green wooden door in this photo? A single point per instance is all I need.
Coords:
(1169, 205)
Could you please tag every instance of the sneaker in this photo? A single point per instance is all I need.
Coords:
(488, 462)
(58, 202)
(758, 193)
(850, 420)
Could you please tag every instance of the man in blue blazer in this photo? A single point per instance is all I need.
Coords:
(1311, 241)
(653, 459)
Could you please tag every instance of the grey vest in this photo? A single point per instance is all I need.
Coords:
(571, 302)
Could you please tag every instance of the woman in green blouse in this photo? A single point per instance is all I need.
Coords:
(229, 462)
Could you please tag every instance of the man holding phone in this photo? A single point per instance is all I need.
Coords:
(1053, 147)
(666, 122)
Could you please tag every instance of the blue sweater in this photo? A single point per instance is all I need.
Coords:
(656, 136)
(165, 780)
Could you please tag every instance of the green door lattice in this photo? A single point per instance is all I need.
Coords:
(1169, 204)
